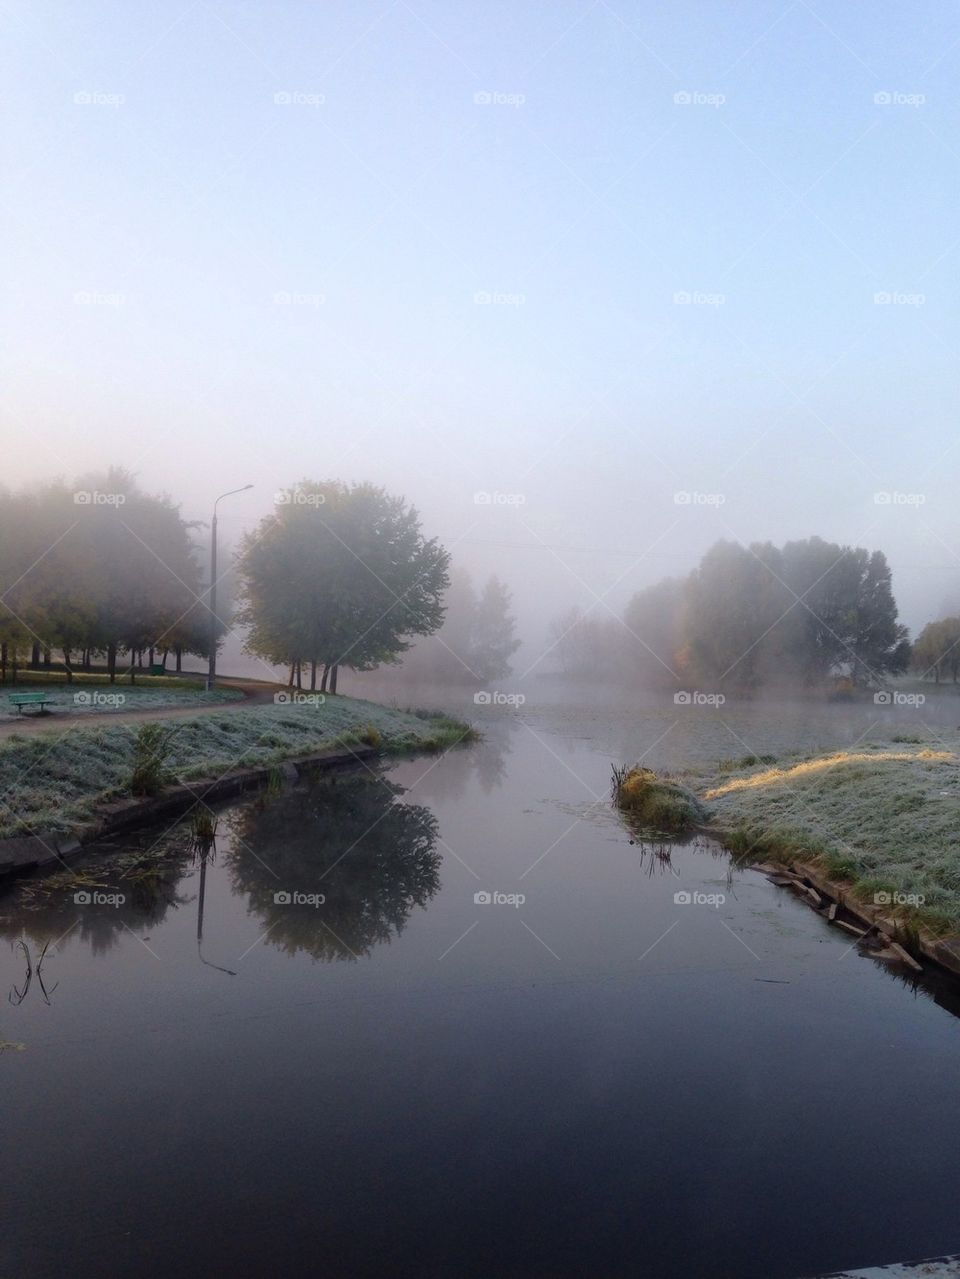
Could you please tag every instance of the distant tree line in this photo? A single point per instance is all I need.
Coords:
(750, 616)
(96, 570)
(477, 638)
(936, 650)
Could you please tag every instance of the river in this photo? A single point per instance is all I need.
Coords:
(444, 1018)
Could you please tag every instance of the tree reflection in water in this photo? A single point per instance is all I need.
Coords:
(347, 837)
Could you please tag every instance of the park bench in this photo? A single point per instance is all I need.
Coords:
(20, 700)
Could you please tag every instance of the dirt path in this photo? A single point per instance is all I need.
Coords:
(255, 693)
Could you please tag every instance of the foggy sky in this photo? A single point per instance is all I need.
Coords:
(445, 247)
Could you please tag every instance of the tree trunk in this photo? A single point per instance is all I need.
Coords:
(333, 678)
(299, 676)
(150, 656)
(179, 652)
(293, 671)
(112, 662)
(323, 680)
(163, 660)
(66, 665)
(46, 657)
(313, 676)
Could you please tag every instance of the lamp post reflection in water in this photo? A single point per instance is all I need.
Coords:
(205, 848)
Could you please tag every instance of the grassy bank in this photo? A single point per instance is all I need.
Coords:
(884, 817)
(55, 780)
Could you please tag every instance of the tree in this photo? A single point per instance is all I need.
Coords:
(936, 650)
(492, 638)
(339, 575)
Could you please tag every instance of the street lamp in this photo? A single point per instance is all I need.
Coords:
(212, 668)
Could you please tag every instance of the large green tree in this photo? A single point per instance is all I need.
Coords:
(339, 575)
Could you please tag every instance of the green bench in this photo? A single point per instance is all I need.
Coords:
(20, 700)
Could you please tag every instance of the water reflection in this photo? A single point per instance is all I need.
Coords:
(101, 898)
(348, 839)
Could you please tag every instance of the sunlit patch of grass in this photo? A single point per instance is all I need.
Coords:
(881, 820)
(822, 764)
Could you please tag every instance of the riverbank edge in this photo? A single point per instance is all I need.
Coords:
(809, 879)
(41, 851)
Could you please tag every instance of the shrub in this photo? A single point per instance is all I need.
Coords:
(151, 752)
(654, 803)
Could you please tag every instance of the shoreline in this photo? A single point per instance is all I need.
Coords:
(867, 838)
(88, 799)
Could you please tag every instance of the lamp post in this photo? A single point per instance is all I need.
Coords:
(212, 668)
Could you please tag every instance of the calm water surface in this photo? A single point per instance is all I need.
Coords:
(403, 1079)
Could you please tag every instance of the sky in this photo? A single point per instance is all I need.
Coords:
(644, 276)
